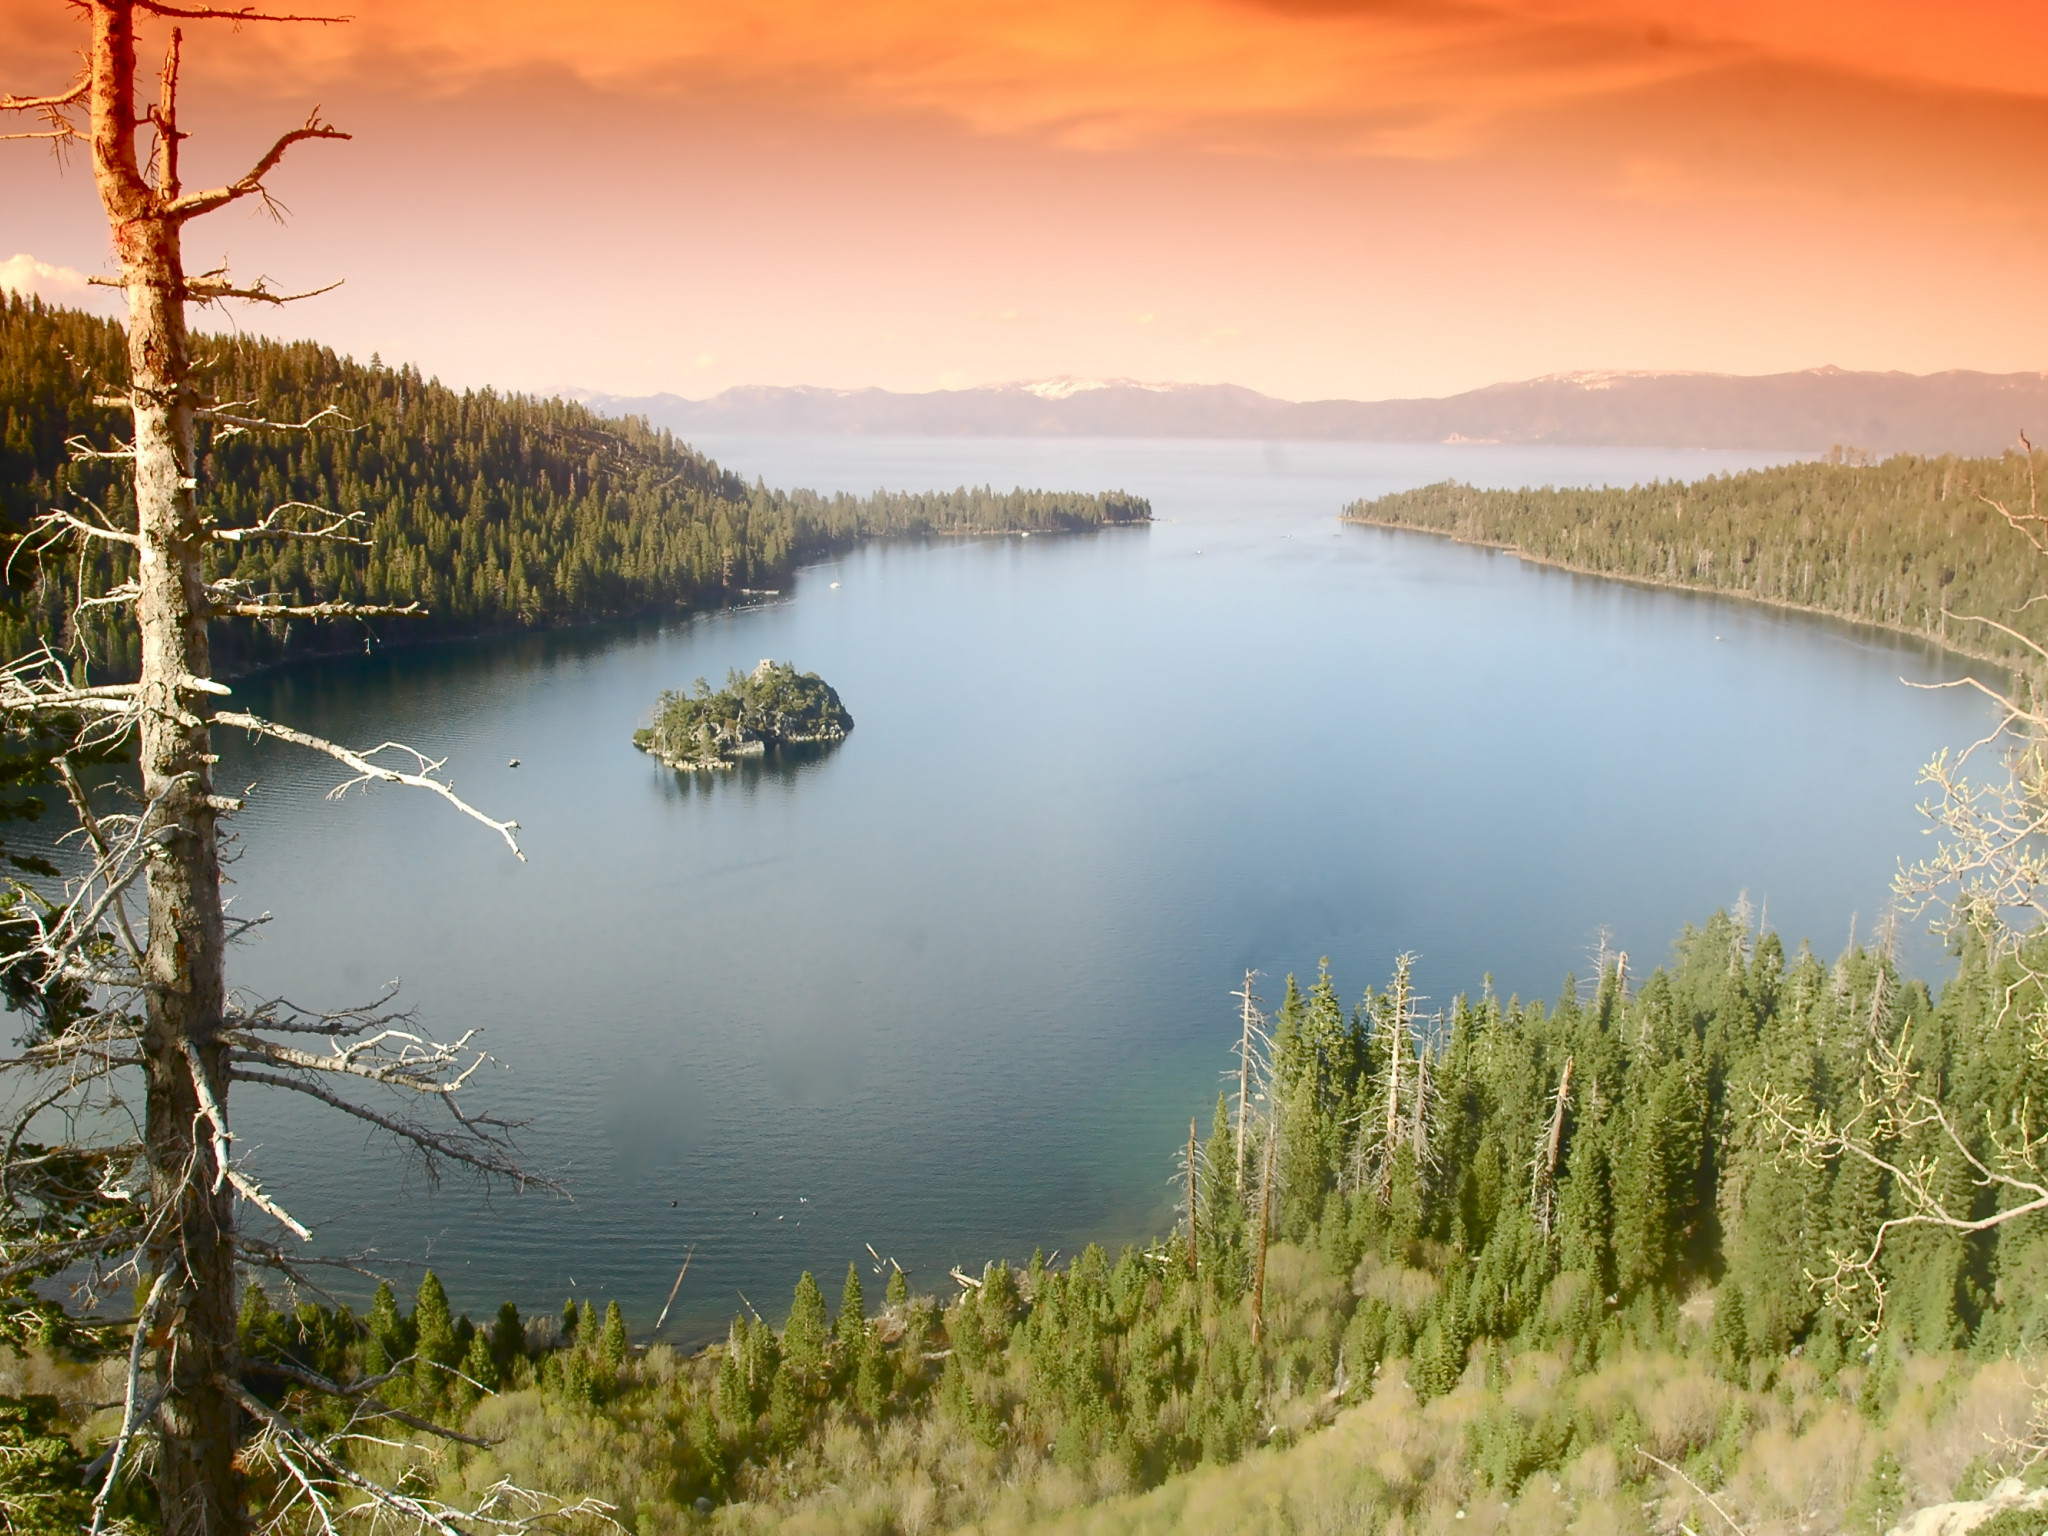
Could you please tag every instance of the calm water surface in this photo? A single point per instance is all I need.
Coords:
(955, 988)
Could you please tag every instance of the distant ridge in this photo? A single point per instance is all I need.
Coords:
(1956, 412)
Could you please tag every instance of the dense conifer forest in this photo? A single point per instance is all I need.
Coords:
(1906, 544)
(1545, 1246)
(490, 511)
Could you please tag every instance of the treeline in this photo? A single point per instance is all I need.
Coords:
(1906, 544)
(1442, 1201)
(491, 511)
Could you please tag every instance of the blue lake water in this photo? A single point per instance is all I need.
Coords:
(954, 988)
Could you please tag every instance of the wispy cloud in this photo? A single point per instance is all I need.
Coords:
(1401, 78)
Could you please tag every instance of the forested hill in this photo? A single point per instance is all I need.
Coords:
(493, 511)
(1569, 1230)
(1907, 544)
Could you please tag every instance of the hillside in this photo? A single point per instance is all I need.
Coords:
(1907, 544)
(1528, 1265)
(1803, 412)
(493, 511)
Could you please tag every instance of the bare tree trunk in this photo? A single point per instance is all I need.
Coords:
(1265, 1225)
(166, 996)
(1398, 1047)
(1244, 1072)
(1544, 1191)
(194, 1236)
(1194, 1251)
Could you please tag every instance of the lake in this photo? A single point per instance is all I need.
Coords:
(954, 988)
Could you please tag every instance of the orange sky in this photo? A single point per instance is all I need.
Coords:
(1312, 197)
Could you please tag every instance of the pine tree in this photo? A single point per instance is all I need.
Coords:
(387, 1342)
(851, 1324)
(435, 1348)
(871, 1375)
(611, 1339)
(508, 1340)
(735, 1402)
(803, 1336)
(898, 1293)
(479, 1375)
(786, 1402)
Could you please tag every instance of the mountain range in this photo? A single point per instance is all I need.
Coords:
(1811, 410)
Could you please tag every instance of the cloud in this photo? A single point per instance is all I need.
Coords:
(24, 275)
(1421, 79)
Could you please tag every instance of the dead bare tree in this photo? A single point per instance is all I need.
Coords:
(1402, 1090)
(1543, 1170)
(145, 1195)
(1254, 1064)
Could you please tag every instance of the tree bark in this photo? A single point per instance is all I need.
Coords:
(192, 1204)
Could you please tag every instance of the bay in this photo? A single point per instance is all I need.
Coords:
(954, 988)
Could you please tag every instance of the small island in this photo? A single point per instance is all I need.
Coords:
(773, 706)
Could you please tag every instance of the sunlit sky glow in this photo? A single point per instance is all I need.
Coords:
(1315, 198)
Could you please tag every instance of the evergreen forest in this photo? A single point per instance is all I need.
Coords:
(490, 511)
(1542, 1262)
(1911, 544)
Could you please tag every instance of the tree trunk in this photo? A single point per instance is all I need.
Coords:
(191, 1202)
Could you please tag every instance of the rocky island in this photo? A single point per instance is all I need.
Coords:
(773, 706)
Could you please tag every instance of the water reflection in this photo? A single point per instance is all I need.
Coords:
(781, 764)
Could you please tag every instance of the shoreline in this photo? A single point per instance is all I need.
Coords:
(665, 611)
(1658, 584)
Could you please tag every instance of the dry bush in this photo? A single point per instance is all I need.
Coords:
(1795, 1480)
(1951, 1414)
(1683, 1413)
(1407, 1291)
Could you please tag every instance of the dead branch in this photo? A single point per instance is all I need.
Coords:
(360, 1391)
(70, 96)
(291, 1434)
(418, 1073)
(368, 772)
(271, 528)
(206, 289)
(1713, 1503)
(250, 183)
(211, 1112)
(1893, 1110)
(54, 109)
(481, 1153)
(59, 522)
(225, 415)
(238, 13)
(250, 1191)
(131, 1420)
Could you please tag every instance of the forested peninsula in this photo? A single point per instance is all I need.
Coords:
(1908, 545)
(492, 512)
